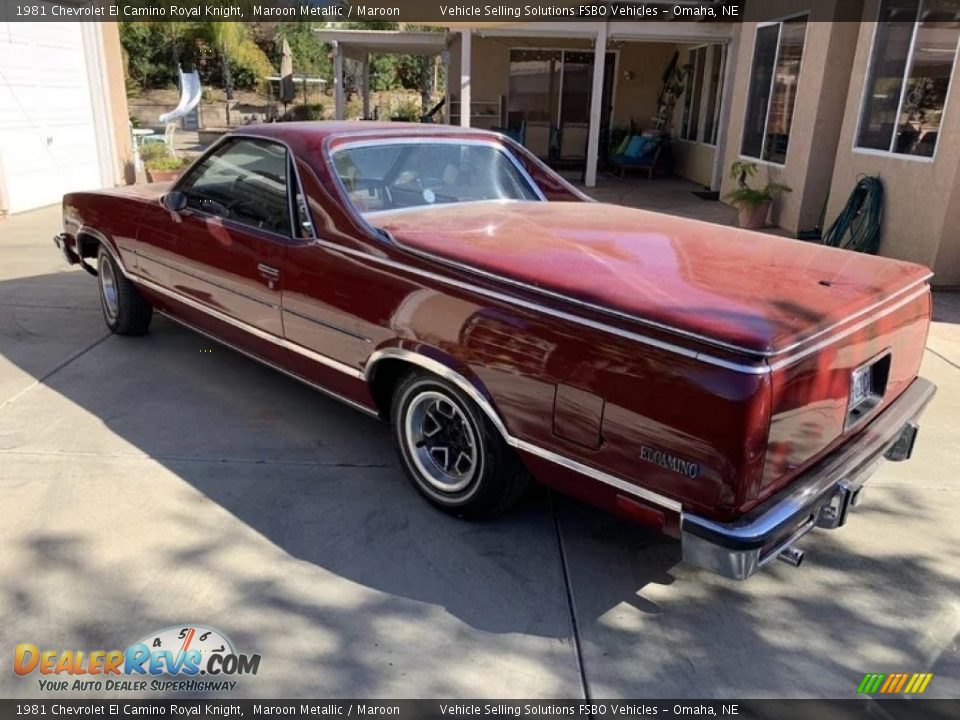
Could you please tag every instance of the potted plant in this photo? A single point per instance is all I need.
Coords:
(161, 164)
(753, 203)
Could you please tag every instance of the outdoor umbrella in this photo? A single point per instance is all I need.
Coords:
(286, 75)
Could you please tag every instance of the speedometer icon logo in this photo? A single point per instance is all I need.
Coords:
(181, 639)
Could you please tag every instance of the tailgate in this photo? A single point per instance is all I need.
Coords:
(825, 393)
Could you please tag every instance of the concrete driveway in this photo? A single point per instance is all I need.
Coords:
(149, 482)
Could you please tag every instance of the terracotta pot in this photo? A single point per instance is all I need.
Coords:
(754, 217)
(162, 175)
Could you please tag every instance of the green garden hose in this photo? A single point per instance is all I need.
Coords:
(858, 225)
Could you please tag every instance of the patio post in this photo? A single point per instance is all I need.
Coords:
(337, 81)
(366, 86)
(731, 50)
(466, 52)
(596, 105)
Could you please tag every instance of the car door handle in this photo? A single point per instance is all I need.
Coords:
(268, 272)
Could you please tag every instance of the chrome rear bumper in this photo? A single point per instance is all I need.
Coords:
(821, 497)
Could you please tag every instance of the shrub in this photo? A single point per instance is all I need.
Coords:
(167, 162)
(408, 110)
(157, 156)
(748, 196)
(153, 150)
(305, 112)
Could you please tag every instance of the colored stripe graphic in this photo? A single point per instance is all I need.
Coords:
(870, 683)
(894, 683)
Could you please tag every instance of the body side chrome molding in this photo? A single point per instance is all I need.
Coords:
(759, 369)
(870, 308)
(329, 326)
(595, 474)
(784, 362)
(740, 349)
(438, 368)
(215, 284)
(489, 141)
(320, 388)
(251, 329)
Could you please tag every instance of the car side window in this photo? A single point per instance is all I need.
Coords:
(302, 224)
(244, 180)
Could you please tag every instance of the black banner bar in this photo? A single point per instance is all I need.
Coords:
(419, 11)
(487, 709)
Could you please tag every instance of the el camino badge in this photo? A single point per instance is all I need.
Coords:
(669, 462)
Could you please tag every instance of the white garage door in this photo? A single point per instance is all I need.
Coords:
(48, 143)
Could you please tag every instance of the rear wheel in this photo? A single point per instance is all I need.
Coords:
(451, 452)
(125, 310)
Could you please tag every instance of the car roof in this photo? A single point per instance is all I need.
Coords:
(301, 131)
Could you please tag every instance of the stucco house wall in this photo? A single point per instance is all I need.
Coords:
(814, 134)
(117, 98)
(921, 220)
(639, 74)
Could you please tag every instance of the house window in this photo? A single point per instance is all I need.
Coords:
(691, 97)
(914, 51)
(773, 90)
(714, 83)
(701, 99)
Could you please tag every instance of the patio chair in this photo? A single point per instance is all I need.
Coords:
(138, 137)
(537, 137)
(641, 153)
(573, 142)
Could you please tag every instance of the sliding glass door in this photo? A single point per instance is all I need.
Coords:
(555, 86)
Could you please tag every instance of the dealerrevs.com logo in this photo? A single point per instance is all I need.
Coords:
(183, 658)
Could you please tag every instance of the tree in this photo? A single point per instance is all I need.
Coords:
(310, 56)
(156, 50)
(227, 38)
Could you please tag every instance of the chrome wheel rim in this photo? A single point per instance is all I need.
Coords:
(441, 441)
(108, 290)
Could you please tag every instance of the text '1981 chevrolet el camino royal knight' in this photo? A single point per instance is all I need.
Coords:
(725, 387)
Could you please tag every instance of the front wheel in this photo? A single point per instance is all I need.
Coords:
(451, 452)
(125, 310)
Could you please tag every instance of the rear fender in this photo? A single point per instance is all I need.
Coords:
(442, 365)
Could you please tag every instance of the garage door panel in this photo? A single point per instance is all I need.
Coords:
(48, 143)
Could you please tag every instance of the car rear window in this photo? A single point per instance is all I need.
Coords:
(389, 176)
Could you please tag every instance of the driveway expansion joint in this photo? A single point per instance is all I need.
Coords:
(571, 601)
(42, 379)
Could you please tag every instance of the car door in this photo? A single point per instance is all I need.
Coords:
(223, 254)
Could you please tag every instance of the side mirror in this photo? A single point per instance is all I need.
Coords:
(174, 201)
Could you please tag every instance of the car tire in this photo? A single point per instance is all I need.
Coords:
(125, 310)
(451, 452)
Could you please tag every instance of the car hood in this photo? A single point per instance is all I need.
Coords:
(150, 191)
(746, 290)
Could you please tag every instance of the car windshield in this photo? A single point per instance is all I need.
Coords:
(389, 176)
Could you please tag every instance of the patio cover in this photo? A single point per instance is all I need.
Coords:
(360, 44)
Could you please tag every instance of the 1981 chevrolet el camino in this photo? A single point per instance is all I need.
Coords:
(725, 387)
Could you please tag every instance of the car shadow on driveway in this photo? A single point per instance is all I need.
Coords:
(321, 484)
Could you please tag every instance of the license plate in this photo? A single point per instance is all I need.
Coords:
(861, 385)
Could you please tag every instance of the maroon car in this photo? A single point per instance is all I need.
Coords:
(726, 387)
